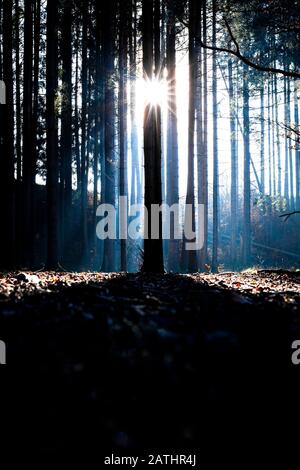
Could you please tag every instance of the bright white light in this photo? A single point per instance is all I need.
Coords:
(154, 92)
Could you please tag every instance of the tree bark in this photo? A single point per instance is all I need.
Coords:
(214, 263)
(172, 139)
(28, 137)
(123, 49)
(108, 29)
(234, 168)
(247, 189)
(153, 248)
(66, 124)
(7, 186)
(51, 124)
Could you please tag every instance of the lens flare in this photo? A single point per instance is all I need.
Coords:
(154, 92)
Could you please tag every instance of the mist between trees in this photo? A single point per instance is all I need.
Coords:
(219, 129)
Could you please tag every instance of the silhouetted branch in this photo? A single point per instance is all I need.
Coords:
(288, 215)
(232, 36)
(237, 53)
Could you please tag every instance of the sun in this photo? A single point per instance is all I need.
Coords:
(153, 92)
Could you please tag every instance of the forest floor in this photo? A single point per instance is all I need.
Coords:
(123, 362)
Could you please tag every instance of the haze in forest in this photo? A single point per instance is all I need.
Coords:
(176, 102)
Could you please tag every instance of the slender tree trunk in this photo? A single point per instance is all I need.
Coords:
(204, 182)
(89, 150)
(66, 123)
(286, 171)
(199, 120)
(274, 184)
(234, 168)
(262, 139)
(214, 266)
(297, 149)
(172, 139)
(76, 119)
(98, 127)
(123, 46)
(7, 186)
(51, 123)
(136, 189)
(247, 189)
(108, 29)
(189, 256)
(83, 151)
(290, 150)
(18, 132)
(18, 94)
(279, 176)
(153, 248)
(28, 136)
(35, 116)
(269, 145)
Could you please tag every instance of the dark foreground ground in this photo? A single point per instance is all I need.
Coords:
(131, 364)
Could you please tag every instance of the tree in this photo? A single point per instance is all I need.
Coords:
(108, 35)
(234, 167)
(153, 248)
(190, 261)
(172, 137)
(247, 189)
(202, 134)
(51, 123)
(136, 189)
(84, 135)
(7, 189)
(123, 47)
(66, 123)
(28, 144)
(214, 263)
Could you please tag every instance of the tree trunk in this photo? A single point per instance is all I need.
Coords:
(153, 248)
(204, 177)
(214, 264)
(123, 46)
(108, 29)
(28, 137)
(297, 149)
(172, 140)
(262, 139)
(7, 189)
(83, 149)
(277, 140)
(269, 145)
(234, 169)
(286, 170)
(66, 124)
(247, 189)
(51, 124)
(76, 116)
(136, 190)
(290, 150)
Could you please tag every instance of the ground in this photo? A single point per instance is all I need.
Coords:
(124, 363)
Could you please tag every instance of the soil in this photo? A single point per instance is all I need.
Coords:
(132, 363)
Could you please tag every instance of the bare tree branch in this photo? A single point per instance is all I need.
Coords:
(237, 53)
(232, 36)
(288, 215)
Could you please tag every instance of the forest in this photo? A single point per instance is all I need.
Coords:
(149, 246)
(72, 130)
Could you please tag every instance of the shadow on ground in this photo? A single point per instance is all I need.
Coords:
(139, 363)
